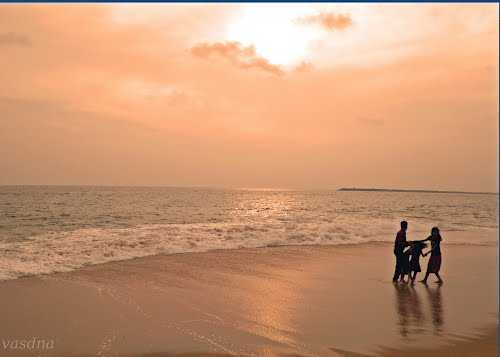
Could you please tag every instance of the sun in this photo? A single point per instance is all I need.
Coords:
(274, 32)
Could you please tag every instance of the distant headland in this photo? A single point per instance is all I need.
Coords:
(410, 190)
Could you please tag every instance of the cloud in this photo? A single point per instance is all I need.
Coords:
(329, 21)
(14, 39)
(162, 118)
(238, 55)
(304, 66)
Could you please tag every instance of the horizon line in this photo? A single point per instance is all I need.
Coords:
(343, 188)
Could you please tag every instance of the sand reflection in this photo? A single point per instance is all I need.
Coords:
(409, 310)
(436, 307)
(270, 310)
(411, 318)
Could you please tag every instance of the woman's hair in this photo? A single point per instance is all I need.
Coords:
(422, 245)
(436, 230)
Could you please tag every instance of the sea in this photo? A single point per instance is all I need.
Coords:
(47, 229)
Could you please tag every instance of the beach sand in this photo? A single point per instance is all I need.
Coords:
(275, 301)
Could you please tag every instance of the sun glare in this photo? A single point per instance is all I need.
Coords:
(274, 32)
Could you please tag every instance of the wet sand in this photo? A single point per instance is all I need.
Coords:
(276, 301)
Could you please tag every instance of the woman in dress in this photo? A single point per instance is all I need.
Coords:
(435, 260)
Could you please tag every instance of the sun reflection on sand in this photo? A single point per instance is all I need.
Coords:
(270, 312)
(271, 305)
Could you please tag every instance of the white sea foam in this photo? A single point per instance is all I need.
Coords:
(66, 251)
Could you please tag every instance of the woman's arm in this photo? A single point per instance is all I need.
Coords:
(423, 240)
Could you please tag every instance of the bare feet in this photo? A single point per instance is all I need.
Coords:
(423, 282)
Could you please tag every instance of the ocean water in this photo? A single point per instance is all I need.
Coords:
(56, 229)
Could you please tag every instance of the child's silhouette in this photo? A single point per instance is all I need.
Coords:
(415, 254)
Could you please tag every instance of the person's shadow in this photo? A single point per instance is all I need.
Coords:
(408, 309)
(411, 319)
(436, 304)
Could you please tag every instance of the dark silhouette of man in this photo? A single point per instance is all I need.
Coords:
(399, 246)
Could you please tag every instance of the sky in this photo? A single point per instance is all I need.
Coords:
(250, 95)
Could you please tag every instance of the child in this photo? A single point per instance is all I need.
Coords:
(416, 252)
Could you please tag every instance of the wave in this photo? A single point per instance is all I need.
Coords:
(67, 251)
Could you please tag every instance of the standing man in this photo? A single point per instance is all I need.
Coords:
(399, 246)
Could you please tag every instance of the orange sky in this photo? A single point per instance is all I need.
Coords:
(267, 95)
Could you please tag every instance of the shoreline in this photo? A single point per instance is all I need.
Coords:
(276, 301)
(236, 249)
